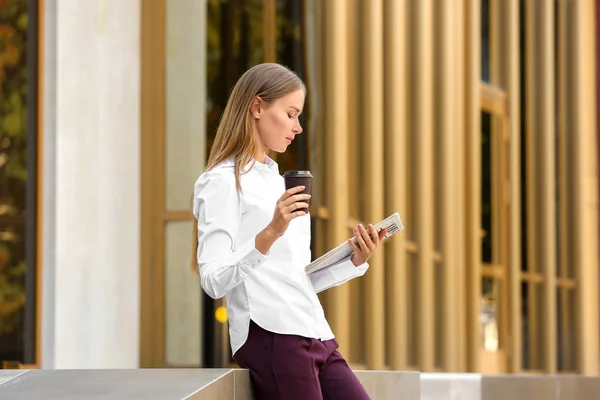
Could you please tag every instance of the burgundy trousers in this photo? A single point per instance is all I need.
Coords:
(290, 367)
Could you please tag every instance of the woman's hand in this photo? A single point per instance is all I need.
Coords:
(287, 209)
(368, 241)
(285, 212)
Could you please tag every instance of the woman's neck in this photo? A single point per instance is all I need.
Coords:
(261, 156)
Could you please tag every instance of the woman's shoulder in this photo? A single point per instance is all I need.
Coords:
(222, 175)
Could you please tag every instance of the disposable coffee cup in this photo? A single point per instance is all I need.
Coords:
(299, 178)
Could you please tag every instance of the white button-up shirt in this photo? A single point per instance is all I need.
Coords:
(273, 290)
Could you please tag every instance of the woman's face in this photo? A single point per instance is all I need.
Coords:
(277, 123)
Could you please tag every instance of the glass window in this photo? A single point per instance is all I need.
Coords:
(234, 44)
(486, 187)
(17, 185)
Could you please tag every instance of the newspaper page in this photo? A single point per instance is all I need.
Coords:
(344, 250)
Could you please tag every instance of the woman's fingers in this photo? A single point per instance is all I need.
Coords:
(295, 198)
(295, 206)
(360, 239)
(354, 246)
(373, 235)
(290, 192)
(370, 246)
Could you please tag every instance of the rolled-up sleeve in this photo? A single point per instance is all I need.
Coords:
(218, 212)
(337, 274)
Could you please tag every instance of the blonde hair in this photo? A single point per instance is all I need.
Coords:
(235, 136)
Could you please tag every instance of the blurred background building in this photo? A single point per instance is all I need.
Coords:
(477, 120)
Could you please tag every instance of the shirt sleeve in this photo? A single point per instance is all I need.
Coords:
(337, 274)
(218, 212)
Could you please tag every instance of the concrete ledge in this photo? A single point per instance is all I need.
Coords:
(450, 387)
(578, 387)
(156, 384)
(512, 387)
(9, 374)
(395, 385)
(234, 384)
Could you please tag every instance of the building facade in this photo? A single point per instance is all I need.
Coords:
(476, 120)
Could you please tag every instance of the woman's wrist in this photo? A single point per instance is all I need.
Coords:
(265, 239)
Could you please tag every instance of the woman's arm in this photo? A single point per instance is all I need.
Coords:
(218, 212)
(353, 266)
(337, 274)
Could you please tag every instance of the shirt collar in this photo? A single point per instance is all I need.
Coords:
(268, 165)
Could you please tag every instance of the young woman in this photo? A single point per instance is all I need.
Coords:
(253, 245)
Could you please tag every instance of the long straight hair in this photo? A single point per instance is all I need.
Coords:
(236, 138)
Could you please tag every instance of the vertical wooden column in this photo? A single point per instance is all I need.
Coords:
(396, 130)
(565, 126)
(356, 170)
(511, 80)
(531, 9)
(473, 181)
(598, 98)
(336, 131)
(373, 162)
(585, 182)
(447, 135)
(153, 97)
(460, 17)
(547, 167)
(269, 31)
(541, 187)
(423, 140)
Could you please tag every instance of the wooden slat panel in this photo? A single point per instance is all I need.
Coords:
(547, 178)
(541, 222)
(473, 180)
(494, 100)
(356, 170)
(396, 129)
(532, 277)
(447, 135)
(373, 162)
(269, 31)
(562, 142)
(585, 181)
(314, 49)
(495, 32)
(531, 124)
(566, 283)
(460, 17)
(152, 338)
(177, 215)
(511, 80)
(336, 131)
(423, 150)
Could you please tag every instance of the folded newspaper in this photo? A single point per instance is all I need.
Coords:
(393, 225)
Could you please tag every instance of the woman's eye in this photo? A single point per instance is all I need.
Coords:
(291, 116)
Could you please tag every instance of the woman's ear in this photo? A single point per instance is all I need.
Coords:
(255, 107)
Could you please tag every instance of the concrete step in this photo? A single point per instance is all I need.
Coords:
(508, 387)
(234, 384)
